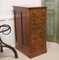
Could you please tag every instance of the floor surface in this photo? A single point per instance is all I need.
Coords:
(52, 54)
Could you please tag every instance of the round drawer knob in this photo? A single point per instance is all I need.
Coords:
(34, 37)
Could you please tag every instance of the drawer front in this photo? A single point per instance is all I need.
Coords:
(38, 28)
(36, 14)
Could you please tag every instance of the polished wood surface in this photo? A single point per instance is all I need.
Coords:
(30, 30)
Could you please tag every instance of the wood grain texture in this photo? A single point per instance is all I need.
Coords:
(30, 30)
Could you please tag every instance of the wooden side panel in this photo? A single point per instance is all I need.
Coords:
(22, 25)
(25, 19)
(18, 26)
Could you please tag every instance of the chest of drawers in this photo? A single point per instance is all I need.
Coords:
(30, 30)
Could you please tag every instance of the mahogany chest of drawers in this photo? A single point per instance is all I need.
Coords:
(30, 30)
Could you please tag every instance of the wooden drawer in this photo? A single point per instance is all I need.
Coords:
(36, 18)
(35, 28)
(37, 12)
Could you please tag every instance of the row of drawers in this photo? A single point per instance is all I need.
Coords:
(38, 29)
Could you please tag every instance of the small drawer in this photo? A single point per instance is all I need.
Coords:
(34, 13)
(34, 37)
(37, 12)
